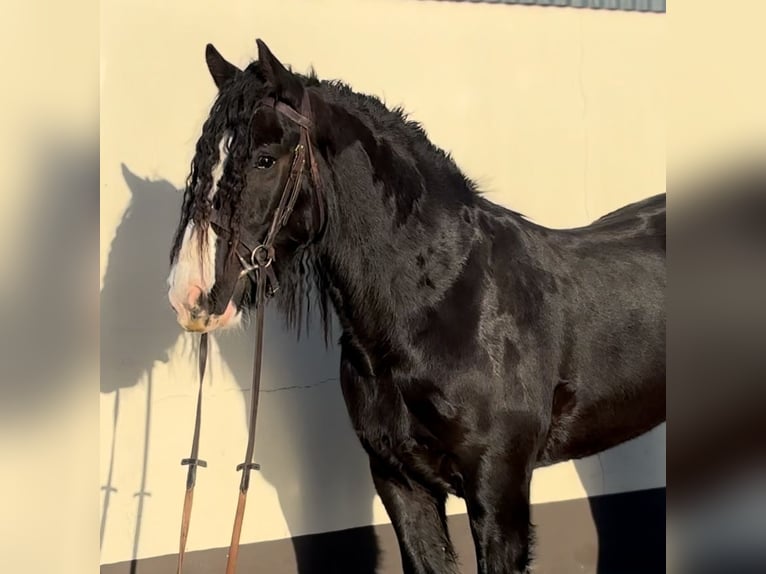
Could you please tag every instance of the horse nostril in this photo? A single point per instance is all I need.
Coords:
(195, 312)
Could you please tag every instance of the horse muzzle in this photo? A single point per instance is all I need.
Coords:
(196, 318)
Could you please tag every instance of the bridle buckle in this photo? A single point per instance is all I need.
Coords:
(260, 258)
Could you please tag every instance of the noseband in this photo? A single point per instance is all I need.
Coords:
(262, 253)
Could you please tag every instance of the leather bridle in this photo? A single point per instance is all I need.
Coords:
(258, 266)
(261, 253)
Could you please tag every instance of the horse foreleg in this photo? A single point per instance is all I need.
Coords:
(497, 499)
(419, 520)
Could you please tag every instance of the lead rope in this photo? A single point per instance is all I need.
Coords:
(248, 464)
(193, 461)
(262, 258)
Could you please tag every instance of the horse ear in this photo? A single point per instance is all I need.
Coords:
(221, 70)
(287, 85)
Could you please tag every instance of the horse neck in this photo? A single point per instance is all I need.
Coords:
(383, 267)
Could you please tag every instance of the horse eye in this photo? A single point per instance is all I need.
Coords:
(265, 162)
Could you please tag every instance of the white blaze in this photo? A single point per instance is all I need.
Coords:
(194, 267)
(218, 169)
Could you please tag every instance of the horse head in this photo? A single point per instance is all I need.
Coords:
(257, 146)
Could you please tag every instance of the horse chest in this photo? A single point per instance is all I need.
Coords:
(391, 432)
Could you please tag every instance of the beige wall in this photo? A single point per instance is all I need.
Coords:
(557, 113)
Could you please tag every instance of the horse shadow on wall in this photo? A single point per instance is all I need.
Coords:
(306, 447)
(314, 442)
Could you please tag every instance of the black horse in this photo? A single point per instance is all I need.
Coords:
(475, 346)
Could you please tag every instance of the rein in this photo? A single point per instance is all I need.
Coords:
(193, 461)
(259, 263)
